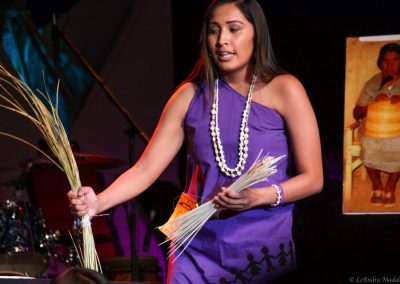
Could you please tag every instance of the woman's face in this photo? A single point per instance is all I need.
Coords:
(230, 39)
(390, 64)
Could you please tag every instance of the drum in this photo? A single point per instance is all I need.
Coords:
(25, 263)
(11, 276)
(24, 241)
(21, 228)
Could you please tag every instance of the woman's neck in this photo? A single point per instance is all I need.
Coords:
(238, 82)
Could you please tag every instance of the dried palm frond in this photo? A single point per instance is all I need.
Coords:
(17, 96)
(183, 229)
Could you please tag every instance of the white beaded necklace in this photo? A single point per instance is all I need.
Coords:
(243, 136)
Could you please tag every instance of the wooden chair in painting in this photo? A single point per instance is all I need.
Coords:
(352, 160)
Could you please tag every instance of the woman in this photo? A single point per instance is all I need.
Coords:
(237, 69)
(382, 153)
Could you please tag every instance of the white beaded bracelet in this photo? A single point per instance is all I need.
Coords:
(279, 195)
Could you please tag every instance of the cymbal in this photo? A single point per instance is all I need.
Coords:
(97, 161)
(84, 161)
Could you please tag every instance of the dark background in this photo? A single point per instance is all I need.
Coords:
(309, 39)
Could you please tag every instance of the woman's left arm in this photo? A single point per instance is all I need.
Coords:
(293, 104)
(290, 99)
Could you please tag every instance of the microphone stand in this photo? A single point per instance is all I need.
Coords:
(56, 43)
(134, 129)
(55, 37)
(138, 130)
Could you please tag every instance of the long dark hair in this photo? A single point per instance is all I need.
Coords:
(263, 62)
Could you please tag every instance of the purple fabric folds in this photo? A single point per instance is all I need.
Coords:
(253, 246)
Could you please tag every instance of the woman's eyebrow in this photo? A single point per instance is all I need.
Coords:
(227, 22)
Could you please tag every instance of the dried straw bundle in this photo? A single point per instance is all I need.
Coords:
(183, 229)
(19, 98)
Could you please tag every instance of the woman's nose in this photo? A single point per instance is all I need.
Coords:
(222, 38)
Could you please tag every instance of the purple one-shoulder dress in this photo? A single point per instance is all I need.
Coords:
(253, 246)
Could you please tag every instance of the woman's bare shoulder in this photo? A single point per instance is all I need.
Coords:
(187, 88)
(181, 98)
(282, 90)
(286, 83)
(185, 91)
(287, 88)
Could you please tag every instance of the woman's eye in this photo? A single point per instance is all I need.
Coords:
(213, 31)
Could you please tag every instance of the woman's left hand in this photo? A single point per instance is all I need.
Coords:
(238, 201)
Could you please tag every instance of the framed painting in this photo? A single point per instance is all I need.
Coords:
(371, 150)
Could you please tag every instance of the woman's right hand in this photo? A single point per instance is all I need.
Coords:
(83, 202)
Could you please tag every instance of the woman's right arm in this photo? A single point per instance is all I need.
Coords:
(162, 148)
